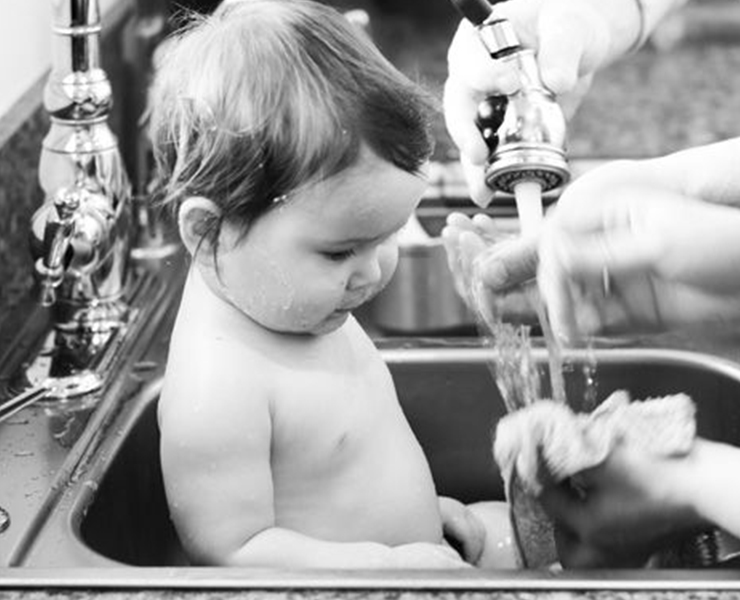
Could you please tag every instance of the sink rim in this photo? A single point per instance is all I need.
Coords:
(466, 580)
(100, 570)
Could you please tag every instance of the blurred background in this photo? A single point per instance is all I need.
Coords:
(682, 89)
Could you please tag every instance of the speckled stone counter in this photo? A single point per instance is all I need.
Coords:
(369, 595)
(117, 594)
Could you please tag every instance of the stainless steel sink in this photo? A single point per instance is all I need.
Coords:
(114, 512)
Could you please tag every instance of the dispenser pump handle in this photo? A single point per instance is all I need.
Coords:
(475, 11)
(497, 34)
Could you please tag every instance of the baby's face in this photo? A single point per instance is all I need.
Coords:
(323, 251)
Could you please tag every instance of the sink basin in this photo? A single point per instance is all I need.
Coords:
(115, 514)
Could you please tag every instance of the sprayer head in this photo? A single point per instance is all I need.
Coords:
(545, 166)
(526, 133)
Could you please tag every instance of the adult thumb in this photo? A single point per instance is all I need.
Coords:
(560, 52)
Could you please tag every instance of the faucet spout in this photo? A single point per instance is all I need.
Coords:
(58, 234)
(81, 256)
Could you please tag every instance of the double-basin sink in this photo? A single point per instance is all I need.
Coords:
(114, 512)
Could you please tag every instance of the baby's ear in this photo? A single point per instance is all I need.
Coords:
(197, 220)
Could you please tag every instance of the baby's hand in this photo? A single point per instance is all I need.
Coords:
(500, 550)
(462, 529)
(426, 556)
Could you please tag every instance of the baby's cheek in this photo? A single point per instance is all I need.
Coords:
(304, 308)
(388, 260)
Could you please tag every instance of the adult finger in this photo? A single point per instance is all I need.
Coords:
(460, 111)
(475, 177)
(509, 264)
(573, 42)
(560, 51)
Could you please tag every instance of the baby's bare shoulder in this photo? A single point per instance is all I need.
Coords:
(215, 387)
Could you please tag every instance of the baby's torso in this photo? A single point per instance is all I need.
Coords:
(346, 464)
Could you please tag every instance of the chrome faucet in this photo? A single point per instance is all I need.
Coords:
(80, 236)
(103, 300)
(525, 132)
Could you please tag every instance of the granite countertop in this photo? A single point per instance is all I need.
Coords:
(115, 594)
(233, 592)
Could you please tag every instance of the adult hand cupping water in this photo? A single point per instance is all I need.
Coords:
(633, 246)
(644, 245)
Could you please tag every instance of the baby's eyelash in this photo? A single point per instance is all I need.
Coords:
(340, 255)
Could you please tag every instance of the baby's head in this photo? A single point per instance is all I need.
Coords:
(290, 151)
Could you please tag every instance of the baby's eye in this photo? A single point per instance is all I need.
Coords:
(340, 255)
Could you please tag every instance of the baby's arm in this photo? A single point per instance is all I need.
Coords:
(462, 529)
(482, 531)
(216, 463)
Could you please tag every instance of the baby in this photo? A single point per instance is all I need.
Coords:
(292, 154)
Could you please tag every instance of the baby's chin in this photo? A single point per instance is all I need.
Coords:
(324, 326)
(332, 323)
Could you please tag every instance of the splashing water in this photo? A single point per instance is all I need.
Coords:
(518, 381)
(513, 367)
(528, 197)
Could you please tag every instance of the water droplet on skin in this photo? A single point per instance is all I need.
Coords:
(4, 519)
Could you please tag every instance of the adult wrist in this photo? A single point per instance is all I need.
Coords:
(685, 482)
(633, 21)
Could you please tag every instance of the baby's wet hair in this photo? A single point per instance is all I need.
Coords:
(266, 96)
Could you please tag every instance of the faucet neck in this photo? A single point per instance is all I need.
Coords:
(78, 89)
(82, 254)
